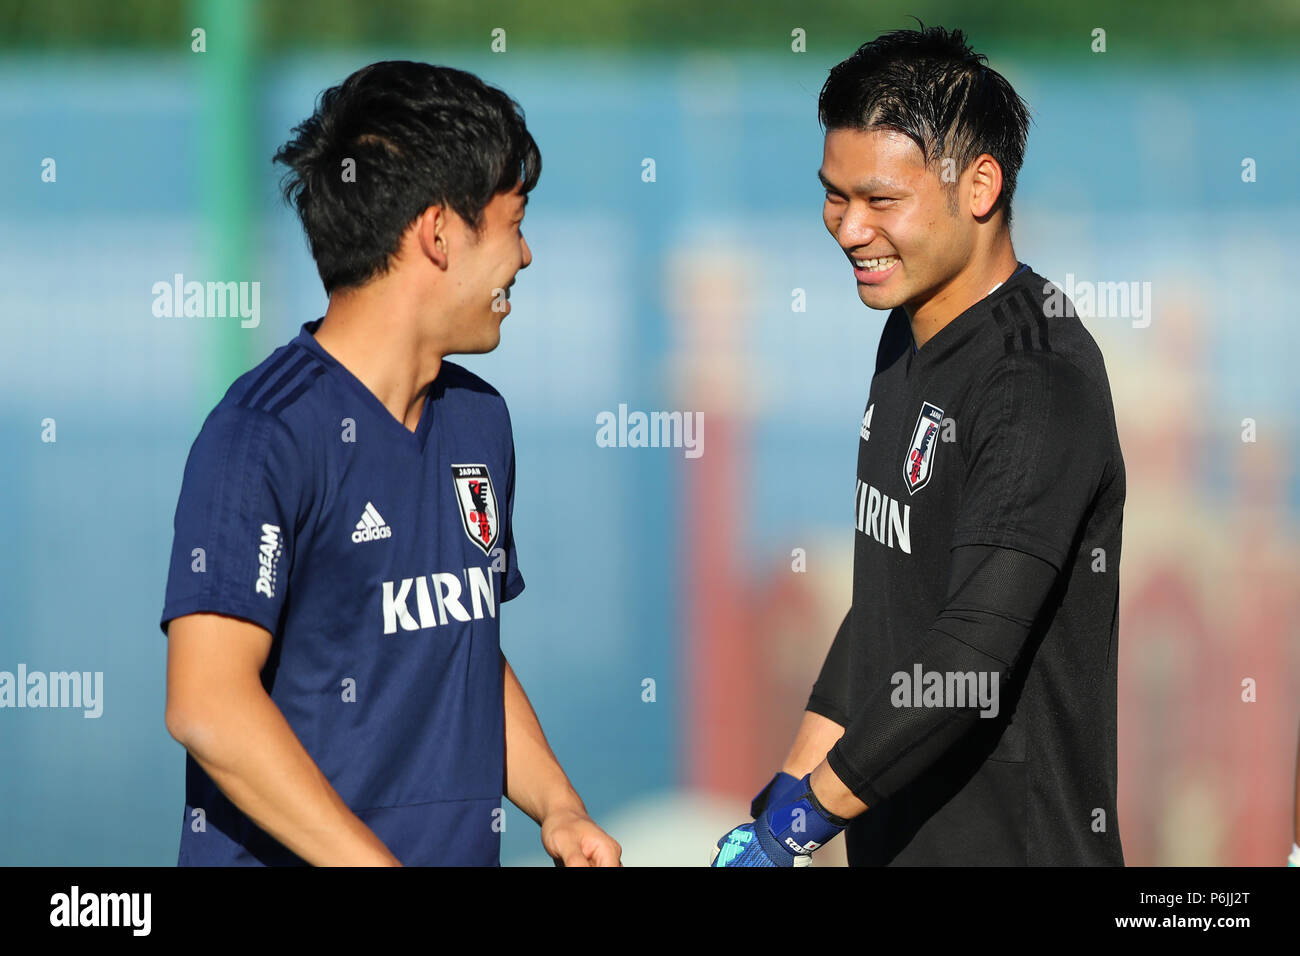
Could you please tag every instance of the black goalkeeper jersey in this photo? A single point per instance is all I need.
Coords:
(999, 432)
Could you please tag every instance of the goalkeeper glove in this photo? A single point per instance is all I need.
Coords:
(784, 835)
(778, 789)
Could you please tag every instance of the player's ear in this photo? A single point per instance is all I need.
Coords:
(432, 230)
(985, 186)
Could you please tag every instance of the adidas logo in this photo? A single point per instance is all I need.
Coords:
(371, 527)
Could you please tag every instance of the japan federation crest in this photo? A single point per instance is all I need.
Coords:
(920, 453)
(477, 499)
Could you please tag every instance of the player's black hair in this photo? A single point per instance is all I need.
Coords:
(419, 135)
(931, 86)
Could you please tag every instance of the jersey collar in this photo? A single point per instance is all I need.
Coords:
(952, 330)
(307, 339)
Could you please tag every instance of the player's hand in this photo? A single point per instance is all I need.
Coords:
(573, 839)
(780, 788)
(783, 835)
(743, 847)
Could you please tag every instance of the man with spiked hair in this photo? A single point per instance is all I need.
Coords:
(966, 711)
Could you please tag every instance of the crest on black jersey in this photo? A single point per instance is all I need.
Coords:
(477, 499)
(919, 465)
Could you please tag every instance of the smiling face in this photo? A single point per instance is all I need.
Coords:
(483, 268)
(893, 218)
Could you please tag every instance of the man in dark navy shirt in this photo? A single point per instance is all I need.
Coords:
(966, 712)
(344, 539)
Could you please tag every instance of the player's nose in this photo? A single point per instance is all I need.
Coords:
(854, 232)
(528, 254)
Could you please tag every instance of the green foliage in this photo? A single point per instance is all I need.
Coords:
(833, 27)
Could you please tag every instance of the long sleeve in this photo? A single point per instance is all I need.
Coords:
(1036, 449)
(830, 693)
(974, 643)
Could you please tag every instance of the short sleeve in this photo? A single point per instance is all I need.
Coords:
(235, 525)
(514, 579)
(1038, 441)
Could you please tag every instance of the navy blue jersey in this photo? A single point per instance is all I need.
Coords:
(378, 559)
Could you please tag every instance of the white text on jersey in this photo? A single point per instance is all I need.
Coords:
(883, 518)
(446, 594)
(371, 527)
(267, 557)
